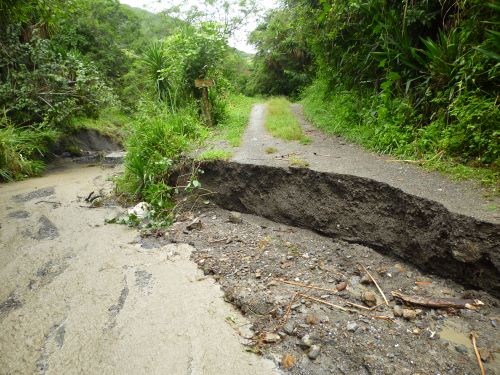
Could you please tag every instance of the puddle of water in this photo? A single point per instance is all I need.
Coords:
(457, 334)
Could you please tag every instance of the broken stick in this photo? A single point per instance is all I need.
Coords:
(376, 284)
(476, 351)
(294, 283)
(437, 303)
(328, 303)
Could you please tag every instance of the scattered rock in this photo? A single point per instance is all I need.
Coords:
(398, 311)
(366, 280)
(235, 218)
(409, 314)
(306, 341)
(314, 352)
(289, 327)
(341, 286)
(195, 224)
(493, 322)
(352, 326)
(369, 298)
(354, 281)
(271, 338)
(246, 331)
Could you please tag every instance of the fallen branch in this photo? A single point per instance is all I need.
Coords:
(376, 284)
(476, 351)
(437, 303)
(294, 283)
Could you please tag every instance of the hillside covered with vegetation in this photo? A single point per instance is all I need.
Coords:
(97, 63)
(418, 80)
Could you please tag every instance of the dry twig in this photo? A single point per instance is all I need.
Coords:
(376, 284)
(309, 286)
(476, 351)
(287, 312)
(328, 303)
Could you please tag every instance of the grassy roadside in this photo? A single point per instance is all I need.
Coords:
(343, 114)
(282, 123)
(232, 128)
(238, 113)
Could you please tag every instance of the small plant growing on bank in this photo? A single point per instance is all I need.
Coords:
(271, 150)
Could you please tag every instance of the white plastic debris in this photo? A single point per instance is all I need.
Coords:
(140, 210)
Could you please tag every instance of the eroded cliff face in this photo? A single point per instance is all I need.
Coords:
(364, 211)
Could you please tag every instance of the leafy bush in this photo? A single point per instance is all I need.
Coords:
(157, 141)
(21, 150)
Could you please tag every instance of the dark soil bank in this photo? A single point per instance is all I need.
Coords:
(363, 211)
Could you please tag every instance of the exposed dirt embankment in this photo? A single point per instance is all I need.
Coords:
(364, 211)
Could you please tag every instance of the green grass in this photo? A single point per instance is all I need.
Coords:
(215, 154)
(236, 121)
(282, 123)
(297, 162)
(344, 113)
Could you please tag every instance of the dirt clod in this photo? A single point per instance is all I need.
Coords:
(369, 298)
(409, 314)
(235, 218)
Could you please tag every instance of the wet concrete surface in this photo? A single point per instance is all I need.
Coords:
(333, 154)
(81, 297)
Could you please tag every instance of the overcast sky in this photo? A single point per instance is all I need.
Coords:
(239, 40)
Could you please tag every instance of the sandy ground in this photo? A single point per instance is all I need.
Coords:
(81, 297)
(333, 154)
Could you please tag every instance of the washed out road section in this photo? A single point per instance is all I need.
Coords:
(333, 154)
(79, 296)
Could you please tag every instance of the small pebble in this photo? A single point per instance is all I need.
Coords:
(314, 352)
(397, 311)
(306, 341)
(352, 326)
(271, 337)
(341, 286)
(369, 298)
(461, 349)
(235, 218)
(289, 327)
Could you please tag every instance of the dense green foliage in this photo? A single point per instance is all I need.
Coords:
(157, 141)
(68, 64)
(420, 78)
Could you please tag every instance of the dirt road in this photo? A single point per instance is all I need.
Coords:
(333, 154)
(79, 296)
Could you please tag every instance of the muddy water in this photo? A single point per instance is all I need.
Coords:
(78, 296)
